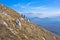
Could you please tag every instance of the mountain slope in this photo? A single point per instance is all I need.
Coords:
(13, 26)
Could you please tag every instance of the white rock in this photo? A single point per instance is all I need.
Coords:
(54, 37)
(13, 31)
(5, 23)
(22, 19)
(18, 22)
(43, 38)
(28, 20)
(5, 13)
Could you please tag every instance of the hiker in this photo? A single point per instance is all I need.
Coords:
(23, 15)
(18, 22)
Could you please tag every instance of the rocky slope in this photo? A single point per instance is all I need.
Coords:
(13, 26)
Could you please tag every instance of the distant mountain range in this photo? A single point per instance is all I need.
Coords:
(50, 23)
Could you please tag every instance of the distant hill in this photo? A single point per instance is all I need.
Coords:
(51, 24)
(13, 26)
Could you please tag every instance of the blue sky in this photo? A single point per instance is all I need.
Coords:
(35, 8)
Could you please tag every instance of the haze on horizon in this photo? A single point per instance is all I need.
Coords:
(37, 8)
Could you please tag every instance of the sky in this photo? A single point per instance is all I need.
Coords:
(35, 8)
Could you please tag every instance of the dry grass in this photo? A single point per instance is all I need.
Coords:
(27, 30)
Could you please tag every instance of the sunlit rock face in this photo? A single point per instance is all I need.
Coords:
(15, 27)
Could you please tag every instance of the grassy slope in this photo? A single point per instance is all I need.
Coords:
(27, 30)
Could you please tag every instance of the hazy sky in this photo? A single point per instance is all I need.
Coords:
(35, 8)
